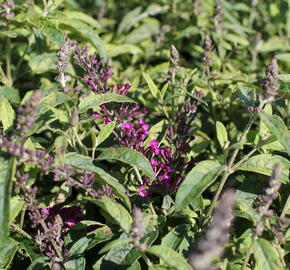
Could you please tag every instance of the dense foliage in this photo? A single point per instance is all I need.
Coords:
(144, 134)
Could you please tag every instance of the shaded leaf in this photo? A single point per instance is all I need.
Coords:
(116, 211)
(75, 263)
(248, 95)
(127, 254)
(80, 246)
(175, 237)
(113, 244)
(7, 252)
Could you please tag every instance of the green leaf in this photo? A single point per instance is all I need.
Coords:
(51, 99)
(129, 20)
(16, 205)
(222, 134)
(283, 57)
(7, 114)
(149, 28)
(95, 100)
(7, 252)
(80, 246)
(76, 15)
(5, 176)
(128, 156)
(11, 93)
(116, 211)
(53, 34)
(75, 263)
(84, 162)
(59, 114)
(42, 63)
(113, 244)
(32, 250)
(86, 32)
(285, 78)
(237, 39)
(266, 256)
(155, 131)
(105, 132)
(171, 257)
(153, 88)
(175, 237)
(274, 44)
(265, 163)
(127, 254)
(8, 33)
(118, 49)
(197, 180)
(278, 128)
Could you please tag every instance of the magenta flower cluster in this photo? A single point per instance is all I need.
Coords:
(132, 131)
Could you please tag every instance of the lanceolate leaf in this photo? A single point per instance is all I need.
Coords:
(95, 100)
(16, 204)
(105, 132)
(265, 163)
(7, 113)
(5, 173)
(171, 257)
(129, 156)
(116, 211)
(197, 180)
(278, 128)
(222, 134)
(152, 86)
(84, 162)
(266, 256)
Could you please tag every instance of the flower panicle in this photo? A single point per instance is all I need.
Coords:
(271, 84)
(216, 236)
(137, 229)
(26, 114)
(265, 201)
(96, 75)
(43, 161)
(208, 53)
(62, 63)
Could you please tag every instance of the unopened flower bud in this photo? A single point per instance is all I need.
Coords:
(174, 53)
